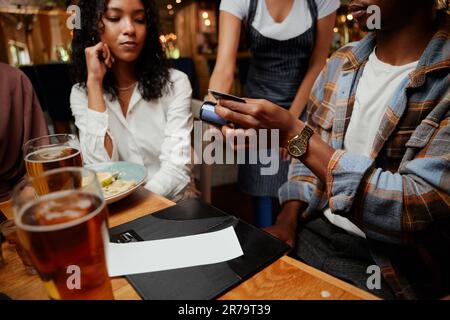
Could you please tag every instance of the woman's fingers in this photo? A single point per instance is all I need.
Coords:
(98, 46)
(99, 52)
(108, 56)
(95, 61)
(105, 52)
(95, 50)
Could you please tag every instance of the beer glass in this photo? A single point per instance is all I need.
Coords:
(51, 152)
(8, 230)
(65, 232)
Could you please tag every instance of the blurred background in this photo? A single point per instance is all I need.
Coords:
(34, 32)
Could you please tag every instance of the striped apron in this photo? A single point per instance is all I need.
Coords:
(276, 72)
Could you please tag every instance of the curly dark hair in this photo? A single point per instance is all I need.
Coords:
(152, 67)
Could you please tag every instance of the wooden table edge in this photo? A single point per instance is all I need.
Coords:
(347, 287)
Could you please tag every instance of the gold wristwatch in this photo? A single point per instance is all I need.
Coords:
(298, 145)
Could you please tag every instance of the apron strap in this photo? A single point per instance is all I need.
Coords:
(312, 5)
(251, 13)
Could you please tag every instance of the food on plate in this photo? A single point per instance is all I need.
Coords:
(117, 187)
(112, 184)
(106, 178)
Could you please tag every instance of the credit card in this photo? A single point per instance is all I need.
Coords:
(219, 95)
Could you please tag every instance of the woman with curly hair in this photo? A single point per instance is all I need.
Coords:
(127, 103)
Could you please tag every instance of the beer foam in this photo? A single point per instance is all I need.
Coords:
(69, 214)
(51, 210)
(51, 154)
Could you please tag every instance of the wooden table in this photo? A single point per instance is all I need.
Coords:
(286, 278)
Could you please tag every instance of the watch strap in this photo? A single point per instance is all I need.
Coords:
(306, 133)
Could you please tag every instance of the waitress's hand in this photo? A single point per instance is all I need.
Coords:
(260, 114)
(98, 60)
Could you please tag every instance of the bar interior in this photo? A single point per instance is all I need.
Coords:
(138, 140)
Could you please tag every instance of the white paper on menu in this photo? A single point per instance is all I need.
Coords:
(157, 255)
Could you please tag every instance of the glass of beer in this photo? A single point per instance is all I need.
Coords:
(51, 152)
(65, 232)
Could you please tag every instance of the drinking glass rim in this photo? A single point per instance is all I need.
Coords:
(27, 181)
(55, 171)
(31, 141)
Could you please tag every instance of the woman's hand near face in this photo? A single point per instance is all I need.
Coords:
(260, 114)
(98, 60)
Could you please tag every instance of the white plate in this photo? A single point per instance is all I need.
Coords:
(128, 171)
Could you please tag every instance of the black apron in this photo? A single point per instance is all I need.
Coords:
(276, 72)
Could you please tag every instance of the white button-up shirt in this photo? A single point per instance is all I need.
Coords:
(154, 133)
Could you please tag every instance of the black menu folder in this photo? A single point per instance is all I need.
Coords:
(205, 282)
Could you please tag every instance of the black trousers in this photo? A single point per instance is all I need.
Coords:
(331, 249)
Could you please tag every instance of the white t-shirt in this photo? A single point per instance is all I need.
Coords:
(377, 86)
(155, 134)
(296, 23)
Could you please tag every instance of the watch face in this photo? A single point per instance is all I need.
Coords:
(298, 145)
(296, 149)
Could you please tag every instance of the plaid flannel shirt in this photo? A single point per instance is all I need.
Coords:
(400, 196)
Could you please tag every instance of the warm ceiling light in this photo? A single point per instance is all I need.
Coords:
(349, 17)
(205, 15)
(335, 30)
(207, 22)
(169, 6)
(171, 12)
(178, 1)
